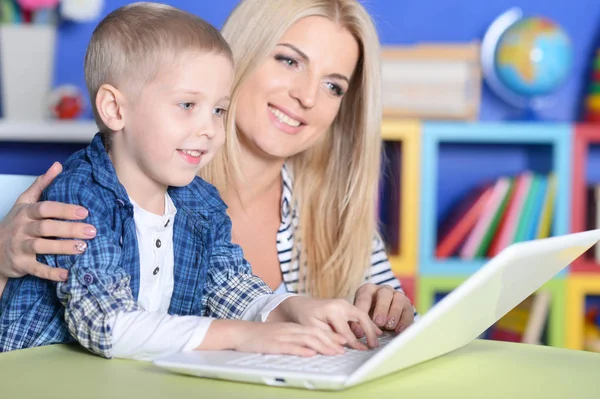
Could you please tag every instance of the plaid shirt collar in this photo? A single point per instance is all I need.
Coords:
(191, 198)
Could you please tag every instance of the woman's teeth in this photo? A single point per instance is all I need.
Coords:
(284, 118)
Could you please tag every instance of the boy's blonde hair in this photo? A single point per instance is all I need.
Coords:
(336, 180)
(131, 44)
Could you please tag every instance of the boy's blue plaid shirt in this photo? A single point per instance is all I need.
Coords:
(211, 276)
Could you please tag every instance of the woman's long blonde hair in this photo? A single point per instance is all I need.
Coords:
(336, 180)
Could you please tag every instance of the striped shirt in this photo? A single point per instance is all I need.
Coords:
(379, 273)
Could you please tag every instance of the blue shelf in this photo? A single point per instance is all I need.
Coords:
(456, 157)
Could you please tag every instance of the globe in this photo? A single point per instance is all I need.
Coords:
(525, 59)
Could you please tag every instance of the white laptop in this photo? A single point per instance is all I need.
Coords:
(462, 316)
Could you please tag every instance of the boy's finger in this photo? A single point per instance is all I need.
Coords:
(370, 329)
(343, 328)
(334, 340)
(308, 340)
(290, 348)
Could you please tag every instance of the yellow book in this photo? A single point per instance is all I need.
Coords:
(543, 230)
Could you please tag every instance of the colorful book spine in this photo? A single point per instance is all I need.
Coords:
(537, 207)
(487, 219)
(545, 224)
(527, 215)
(507, 234)
(461, 222)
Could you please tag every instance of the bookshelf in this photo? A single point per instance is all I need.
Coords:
(457, 157)
(585, 138)
(50, 131)
(579, 286)
(442, 161)
(430, 287)
(404, 137)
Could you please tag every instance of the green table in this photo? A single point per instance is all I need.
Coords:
(482, 369)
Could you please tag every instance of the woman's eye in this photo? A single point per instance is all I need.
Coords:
(286, 60)
(335, 89)
(187, 106)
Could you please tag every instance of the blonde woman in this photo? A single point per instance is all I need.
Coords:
(300, 168)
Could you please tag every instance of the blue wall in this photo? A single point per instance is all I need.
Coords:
(407, 21)
(398, 21)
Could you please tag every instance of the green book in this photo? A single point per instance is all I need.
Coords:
(489, 234)
(528, 211)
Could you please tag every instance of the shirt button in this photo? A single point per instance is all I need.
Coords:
(88, 278)
(158, 243)
(155, 272)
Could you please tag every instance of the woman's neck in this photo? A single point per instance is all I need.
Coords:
(259, 177)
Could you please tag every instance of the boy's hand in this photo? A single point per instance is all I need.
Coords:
(389, 309)
(328, 315)
(272, 338)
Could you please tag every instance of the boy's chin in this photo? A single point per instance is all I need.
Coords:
(180, 181)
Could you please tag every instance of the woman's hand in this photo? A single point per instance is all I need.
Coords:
(390, 309)
(332, 315)
(28, 227)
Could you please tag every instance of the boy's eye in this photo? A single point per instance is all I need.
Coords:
(220, 112)
(187, 106)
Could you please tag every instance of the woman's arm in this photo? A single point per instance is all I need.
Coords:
(25, 232)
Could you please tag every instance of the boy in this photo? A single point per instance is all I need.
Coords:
(162, 267)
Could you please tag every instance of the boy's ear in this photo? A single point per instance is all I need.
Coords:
(110, 107)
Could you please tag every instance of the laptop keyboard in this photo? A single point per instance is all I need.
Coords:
(317, 363)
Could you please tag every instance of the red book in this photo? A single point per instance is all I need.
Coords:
(461, 221)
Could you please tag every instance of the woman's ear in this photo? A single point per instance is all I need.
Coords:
(110, 107)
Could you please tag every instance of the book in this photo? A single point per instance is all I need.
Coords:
(456, 227)
(537, 207)
(540, 308)
(514, 211)
(488, 218)
(545, 224)
(527, 214)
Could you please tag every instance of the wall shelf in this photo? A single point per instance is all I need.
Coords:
(48, 131)
(476, 155)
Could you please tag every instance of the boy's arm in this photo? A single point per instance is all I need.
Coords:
(97, 288)
(232, 291)
(100, 311)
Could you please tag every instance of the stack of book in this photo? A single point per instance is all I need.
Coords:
(497, 214)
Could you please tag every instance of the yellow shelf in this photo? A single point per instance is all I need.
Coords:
(578, 286)
(408, 132)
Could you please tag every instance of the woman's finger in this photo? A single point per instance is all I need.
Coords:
(34, 192)
(383, 301)
(45, 272)
(41, 246)
(396, 309)
(406, 319)
(56, 228)
(364, 297)
(56, 210)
